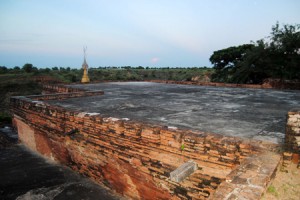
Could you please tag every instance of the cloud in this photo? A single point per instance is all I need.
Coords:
(154, 60)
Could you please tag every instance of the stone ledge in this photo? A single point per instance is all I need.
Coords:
(58, 96)
(250, 179)
(183, 171)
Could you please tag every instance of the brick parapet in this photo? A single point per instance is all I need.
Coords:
(128, 154)
(216, 84)
(66, 95)
(268, 84)
(292, 135)
(59, 88)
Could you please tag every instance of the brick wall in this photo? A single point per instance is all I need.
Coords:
(268, 84)
(292, 136)
(214, 84)
(132, 158)
(59, 96)
(59, 88)
(282, 84)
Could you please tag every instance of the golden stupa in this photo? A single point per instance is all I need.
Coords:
(85, 67)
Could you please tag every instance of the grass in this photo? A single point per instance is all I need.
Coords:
(14, 85)
(272, 190)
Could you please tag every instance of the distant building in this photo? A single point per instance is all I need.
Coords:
(85, 67)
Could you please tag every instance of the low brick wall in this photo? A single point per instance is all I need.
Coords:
(59, 88)
(60, 96)
(214, 84)
(134, 158)
(268, 84)
(282, 84)
(292, 136)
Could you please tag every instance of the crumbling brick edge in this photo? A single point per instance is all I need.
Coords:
(292, 136)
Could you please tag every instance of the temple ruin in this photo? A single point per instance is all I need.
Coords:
(157, 141)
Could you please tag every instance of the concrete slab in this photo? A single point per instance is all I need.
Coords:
(248, 113)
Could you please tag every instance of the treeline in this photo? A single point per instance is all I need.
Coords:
(139, 74)
(124, 73)
(277, 57)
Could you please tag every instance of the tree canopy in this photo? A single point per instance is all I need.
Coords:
(278, 57)
(225, 60)
(28, 68)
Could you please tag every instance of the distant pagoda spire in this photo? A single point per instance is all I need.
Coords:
(85, 67)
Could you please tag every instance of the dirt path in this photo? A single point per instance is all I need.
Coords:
(286, 185)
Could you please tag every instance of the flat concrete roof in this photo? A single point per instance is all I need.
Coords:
(247, 113)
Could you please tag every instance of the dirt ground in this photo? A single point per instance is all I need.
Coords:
(286, 185)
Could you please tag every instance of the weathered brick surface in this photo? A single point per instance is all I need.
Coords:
(250, 179)
(66, 95)
(26, 134)
(215, 84)
(135, 159)
(59, 88)
(292, 136)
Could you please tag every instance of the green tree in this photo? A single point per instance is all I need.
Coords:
(277, 58)
(285, 46)
(28, 68)
(3, 69)
(226, 59)
(254, 67)
(16, 68)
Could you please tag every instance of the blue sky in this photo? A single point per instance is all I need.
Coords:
(158, 33)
